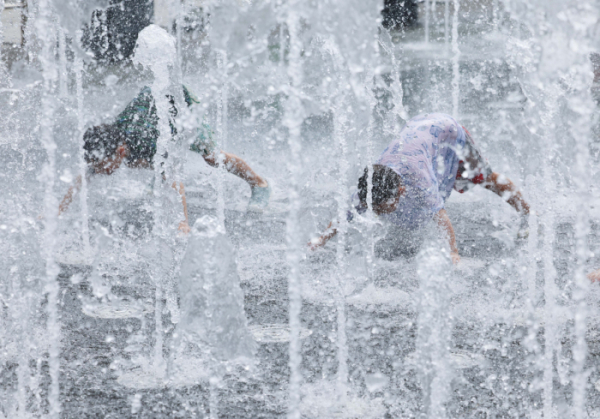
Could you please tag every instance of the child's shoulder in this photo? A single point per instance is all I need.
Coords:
(189, 97)
(145, 94)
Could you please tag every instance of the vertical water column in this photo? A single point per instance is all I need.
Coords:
(178, 162)
(23, 367)
(293, 120)
(1, 33)
(447, 24)
(550, 294)
(397, 91)
(434, 326)
(51, 286)
(178, 24)
(549, 272)
(455, 61)
(530, 268)
(160, 230)
(370, 233)
(579, 20)
(221, 78)
(369, 216)
(156, 51)
(339, 108)
(281, 46)
(221, 57)
(342, 197)
(427, 19)
(532, 245)
(579, 17)
(62, 61)
(5, 80)
(495, 14)
(29, 34)
(581, 282)
(85, 229)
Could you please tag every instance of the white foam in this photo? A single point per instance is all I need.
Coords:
(117, 309)
(187, 371)
(275, 333)
(123, 185)
(73, 257)
(323, 400)
(155, 47)
(468, 266)
(463, 359)
(490, 312)
(322, 289)
(372, 296)
(459, 359)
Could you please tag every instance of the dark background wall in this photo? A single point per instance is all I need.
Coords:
(399, 14)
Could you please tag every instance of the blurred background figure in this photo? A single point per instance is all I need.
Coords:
(399, 14)
(111, 33)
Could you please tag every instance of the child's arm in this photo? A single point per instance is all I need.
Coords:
(327, 235)
(444, 223)
(500, 185)
(64, 204)
(184, 226)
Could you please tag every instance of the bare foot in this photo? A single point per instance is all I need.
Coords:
(184, 227)
(262, 183)
(594, 276)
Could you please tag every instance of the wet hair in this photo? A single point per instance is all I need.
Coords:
(101, 142)
(385, 185)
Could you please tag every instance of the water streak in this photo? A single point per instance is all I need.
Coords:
(427, 19)
(293, 120)
(447, 25)
(51, 286)
(455, 62)
(83, 192)
(222, 120)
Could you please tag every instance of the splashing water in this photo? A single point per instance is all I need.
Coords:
(109, 308)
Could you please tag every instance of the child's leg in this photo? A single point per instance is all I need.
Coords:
(473, 169)
(236, 166)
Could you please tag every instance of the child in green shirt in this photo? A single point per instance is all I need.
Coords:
(132, 139)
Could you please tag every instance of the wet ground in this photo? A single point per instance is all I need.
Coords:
(493, 355)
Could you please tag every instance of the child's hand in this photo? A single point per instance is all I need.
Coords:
(455, 258)
(523, 234)
(184, 227)
(315, 243)
(594, 276)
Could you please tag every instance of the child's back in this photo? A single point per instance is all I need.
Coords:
(424, 155)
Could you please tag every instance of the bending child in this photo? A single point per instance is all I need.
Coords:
(132, 138)
(416, 173)
(106, 149)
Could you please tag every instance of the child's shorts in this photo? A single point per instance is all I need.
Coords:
(473, 168)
